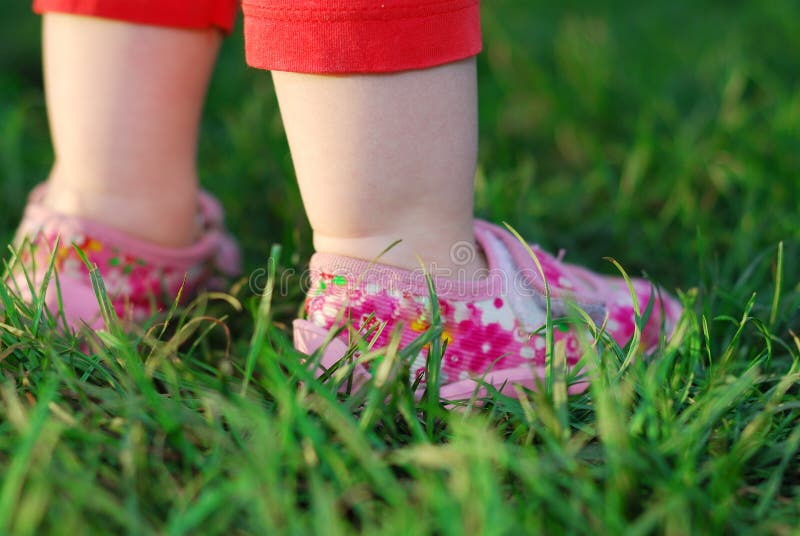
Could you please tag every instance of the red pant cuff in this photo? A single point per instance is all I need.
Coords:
(173, 13)
(393, 36)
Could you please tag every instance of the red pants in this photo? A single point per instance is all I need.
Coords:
(315, 36)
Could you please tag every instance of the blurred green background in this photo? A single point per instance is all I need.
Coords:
(664, 134)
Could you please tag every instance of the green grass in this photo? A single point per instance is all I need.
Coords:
(663, 135)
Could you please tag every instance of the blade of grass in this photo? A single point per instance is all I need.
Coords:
(776, 297)
(549, 339)
(262, 319)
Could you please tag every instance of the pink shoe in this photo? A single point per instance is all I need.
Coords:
(493, 327)
(140, 277)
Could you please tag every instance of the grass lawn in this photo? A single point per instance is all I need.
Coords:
(665, 135)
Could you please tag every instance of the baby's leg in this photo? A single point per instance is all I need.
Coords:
(124, 102)
(125, 82)
(385, 149)
(386, 157)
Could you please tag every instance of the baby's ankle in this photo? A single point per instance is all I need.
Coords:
(442, 257)
(167, 217)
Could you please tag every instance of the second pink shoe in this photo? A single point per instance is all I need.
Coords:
(140, 277)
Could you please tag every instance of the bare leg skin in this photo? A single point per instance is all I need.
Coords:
(124, 102)
(386, 157)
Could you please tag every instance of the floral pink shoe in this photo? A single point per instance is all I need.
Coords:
(493, 327)
(140, 277)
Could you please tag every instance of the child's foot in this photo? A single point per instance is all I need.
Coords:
(140, 277)
(493, 327)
